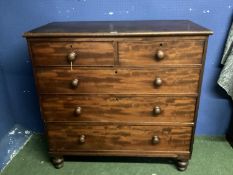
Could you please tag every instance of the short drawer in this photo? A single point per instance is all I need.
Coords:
(81, 53)
(161, 52)
(117, 108)
(70, 137)
(105, 80)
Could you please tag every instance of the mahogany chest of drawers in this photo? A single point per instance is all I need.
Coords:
(127, 88)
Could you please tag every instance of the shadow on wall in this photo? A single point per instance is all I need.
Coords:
(6, 115)
(215, 106)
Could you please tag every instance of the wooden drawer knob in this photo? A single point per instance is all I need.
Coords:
(160, 55)
(72, 56)
(74, 83)
(157, 110)
(155, 140)
(158, 82)
(78, 111)
(82, 139)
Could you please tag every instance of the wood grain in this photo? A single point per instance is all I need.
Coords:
(175, 52)
(107, 80)
(115, 70)
(118, 137)
(117, 108)
(88, 53)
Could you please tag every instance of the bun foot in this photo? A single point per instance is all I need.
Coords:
(182, 165)
(58, 162)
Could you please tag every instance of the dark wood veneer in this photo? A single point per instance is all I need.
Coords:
(118, 80)
(132, 89)
(118, 137)
(115, 108)
(118, 28)
(88, 53)
(175, 52)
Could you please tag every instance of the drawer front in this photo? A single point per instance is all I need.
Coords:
(164, 52)
(112, 137)
(82, 53)
(117, 108)
(159, 80)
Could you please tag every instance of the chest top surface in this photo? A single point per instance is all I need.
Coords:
(119, 28)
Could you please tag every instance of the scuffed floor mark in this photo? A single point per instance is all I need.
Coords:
(27, 132)
(12, 132)
(12, 143)
(13, 154)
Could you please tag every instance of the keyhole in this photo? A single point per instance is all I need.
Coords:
(161, 44)
(115, 71)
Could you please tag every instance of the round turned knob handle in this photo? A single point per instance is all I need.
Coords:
(74, 83)
(158, 82)
(160, 54)
(82, 139)
(72, 56)
(155, 140)
(157, 110)
(78, 110)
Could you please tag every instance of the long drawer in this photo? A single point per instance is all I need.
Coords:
(119, 80)
(71, 137)
(49, 53)
(117, 108)
(160, 52)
